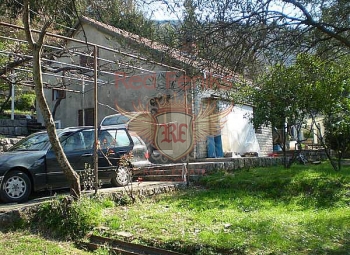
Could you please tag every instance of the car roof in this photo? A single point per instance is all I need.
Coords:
(134, 114)
(79, 128)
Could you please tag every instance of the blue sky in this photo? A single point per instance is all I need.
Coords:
(157, 10)
(160, 11)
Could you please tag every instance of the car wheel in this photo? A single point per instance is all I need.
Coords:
(16, 187)
(122, 177)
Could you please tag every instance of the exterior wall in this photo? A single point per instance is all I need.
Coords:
(263, 137)
(112, 89)
(265, 141)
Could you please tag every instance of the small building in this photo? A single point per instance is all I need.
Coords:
(181, 97)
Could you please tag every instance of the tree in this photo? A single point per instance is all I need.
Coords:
(277, 100)
(121, 14)
(247, 36)
(48, 13)
(309, 88)
(337, 134)
(7, 65)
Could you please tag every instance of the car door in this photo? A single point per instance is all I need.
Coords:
(113, 143)
(78, 148)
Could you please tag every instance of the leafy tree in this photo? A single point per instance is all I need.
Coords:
(25, 102)
(337, 134)
(309, 88)
(277, 101)
(121, 14)
(246, 36)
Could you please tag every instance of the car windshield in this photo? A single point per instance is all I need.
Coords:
(34, 142)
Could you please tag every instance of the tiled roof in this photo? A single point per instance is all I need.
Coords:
(190, 60)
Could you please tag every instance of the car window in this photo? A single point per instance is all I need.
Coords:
(74, 142)
(35, 142)
(115, 120)
(136, 140)
(89, 138)
(106, 139)
(114, 138)
(122, 138)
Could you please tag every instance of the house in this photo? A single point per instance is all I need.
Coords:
(177, 93)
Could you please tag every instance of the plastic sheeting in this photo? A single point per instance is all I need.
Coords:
(238, 134)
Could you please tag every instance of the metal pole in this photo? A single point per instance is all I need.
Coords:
(95, 121)
(83, 103)
(13, 97)
(187, 156)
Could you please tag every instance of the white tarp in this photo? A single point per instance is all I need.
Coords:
(238, 134)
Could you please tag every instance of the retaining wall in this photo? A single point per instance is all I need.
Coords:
(16, 127)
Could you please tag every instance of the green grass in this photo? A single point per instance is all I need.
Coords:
(25, 243)
(301, 210)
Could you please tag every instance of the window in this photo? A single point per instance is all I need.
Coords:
(57, 124)
(87, 115)
(58, 94)
(74, 143)
(122, 138)
(259, 130)
(113, 138)
(87, 59)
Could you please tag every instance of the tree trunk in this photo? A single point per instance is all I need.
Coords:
(69, 172)
(71, 175)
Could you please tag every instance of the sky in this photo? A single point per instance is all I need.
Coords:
(160, 11)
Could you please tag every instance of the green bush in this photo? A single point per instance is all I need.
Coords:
(25, 102)
(69, 219)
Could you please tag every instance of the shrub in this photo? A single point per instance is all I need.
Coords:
(25, 102)
(69, 219)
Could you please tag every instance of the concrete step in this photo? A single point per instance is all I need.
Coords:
(173, 172)
(167, 178)
(164, 178)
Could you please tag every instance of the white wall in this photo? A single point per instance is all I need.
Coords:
(238, 134)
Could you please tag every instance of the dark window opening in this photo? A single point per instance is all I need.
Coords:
(88, 116)
(58, 94)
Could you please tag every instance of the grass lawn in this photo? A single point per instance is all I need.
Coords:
(26, 243)
(301, 210)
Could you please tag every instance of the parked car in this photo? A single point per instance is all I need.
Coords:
(31, 165)
(140, 152)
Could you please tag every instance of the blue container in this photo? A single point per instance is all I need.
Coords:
(211, 147)
(277, 147)
(218, 147)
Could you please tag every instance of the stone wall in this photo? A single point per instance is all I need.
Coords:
(235, 163)
(15, 127)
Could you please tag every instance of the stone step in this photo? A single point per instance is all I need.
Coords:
(167, 171)
(164, 178)
(167, 178)
(173, 172)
